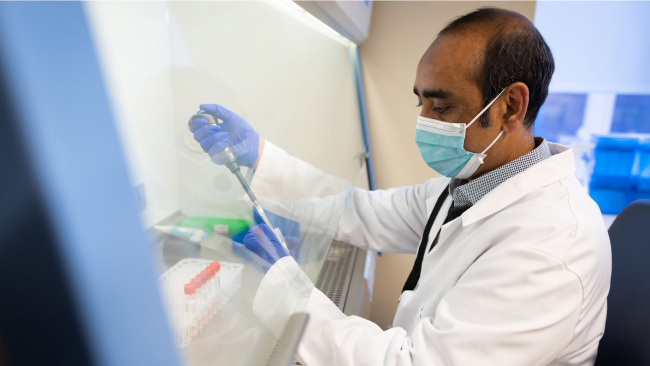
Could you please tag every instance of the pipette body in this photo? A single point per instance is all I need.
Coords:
(230, 161)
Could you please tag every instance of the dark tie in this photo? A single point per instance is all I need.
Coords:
(453, 213)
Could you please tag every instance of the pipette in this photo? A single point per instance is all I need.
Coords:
(230, 160)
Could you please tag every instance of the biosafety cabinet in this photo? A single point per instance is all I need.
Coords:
(296, 81)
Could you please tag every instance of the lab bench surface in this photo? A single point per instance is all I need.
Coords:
(235, 336)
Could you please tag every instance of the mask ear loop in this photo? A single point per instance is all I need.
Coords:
(479, 158)
(484, 109)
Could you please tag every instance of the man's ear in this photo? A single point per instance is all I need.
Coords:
(516, 99)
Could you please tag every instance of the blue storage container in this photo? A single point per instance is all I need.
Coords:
(611, 194)
(643, 181)
(612, 183)
(641, 195)
(615, 157)
(643, 177)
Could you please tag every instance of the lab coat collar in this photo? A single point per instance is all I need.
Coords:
(553, 169)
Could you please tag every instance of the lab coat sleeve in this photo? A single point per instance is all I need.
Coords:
(390, 220)
(384, 220)
(516, 306)
(282, 175)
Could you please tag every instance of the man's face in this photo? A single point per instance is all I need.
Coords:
(448, 92)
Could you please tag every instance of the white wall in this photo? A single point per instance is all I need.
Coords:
(600, 47)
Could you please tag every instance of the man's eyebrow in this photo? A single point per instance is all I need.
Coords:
(433, 93)
(436, 93)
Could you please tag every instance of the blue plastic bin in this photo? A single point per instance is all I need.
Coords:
(642, 195)
(611, 194)
(642, 186)
(615, 156)
(643, 180)
(612, 182)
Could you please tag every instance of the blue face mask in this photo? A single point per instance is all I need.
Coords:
(441, 145)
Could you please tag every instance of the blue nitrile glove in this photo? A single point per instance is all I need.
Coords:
(262, 241)
(244, 141)
(287, 226)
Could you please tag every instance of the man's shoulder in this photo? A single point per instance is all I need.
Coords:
(559, 219)
(434, 186)
(563, 202)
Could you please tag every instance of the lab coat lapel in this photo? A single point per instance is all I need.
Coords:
(558, 166)
(431, 201)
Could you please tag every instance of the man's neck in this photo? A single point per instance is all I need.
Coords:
(521, 149)
(526, 145)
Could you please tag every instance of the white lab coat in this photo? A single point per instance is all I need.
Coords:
(521, 278)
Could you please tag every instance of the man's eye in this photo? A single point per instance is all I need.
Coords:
(440, 109)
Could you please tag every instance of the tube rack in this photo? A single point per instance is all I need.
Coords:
(190, 313)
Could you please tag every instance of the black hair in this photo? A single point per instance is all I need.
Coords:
(515, 52)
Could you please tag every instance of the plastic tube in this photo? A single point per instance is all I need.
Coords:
(193, 235)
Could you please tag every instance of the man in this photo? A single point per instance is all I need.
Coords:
(513, 259)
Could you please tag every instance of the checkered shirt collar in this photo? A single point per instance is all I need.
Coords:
(466, 193)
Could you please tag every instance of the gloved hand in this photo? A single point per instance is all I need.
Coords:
(234, 131)
(262, 241)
